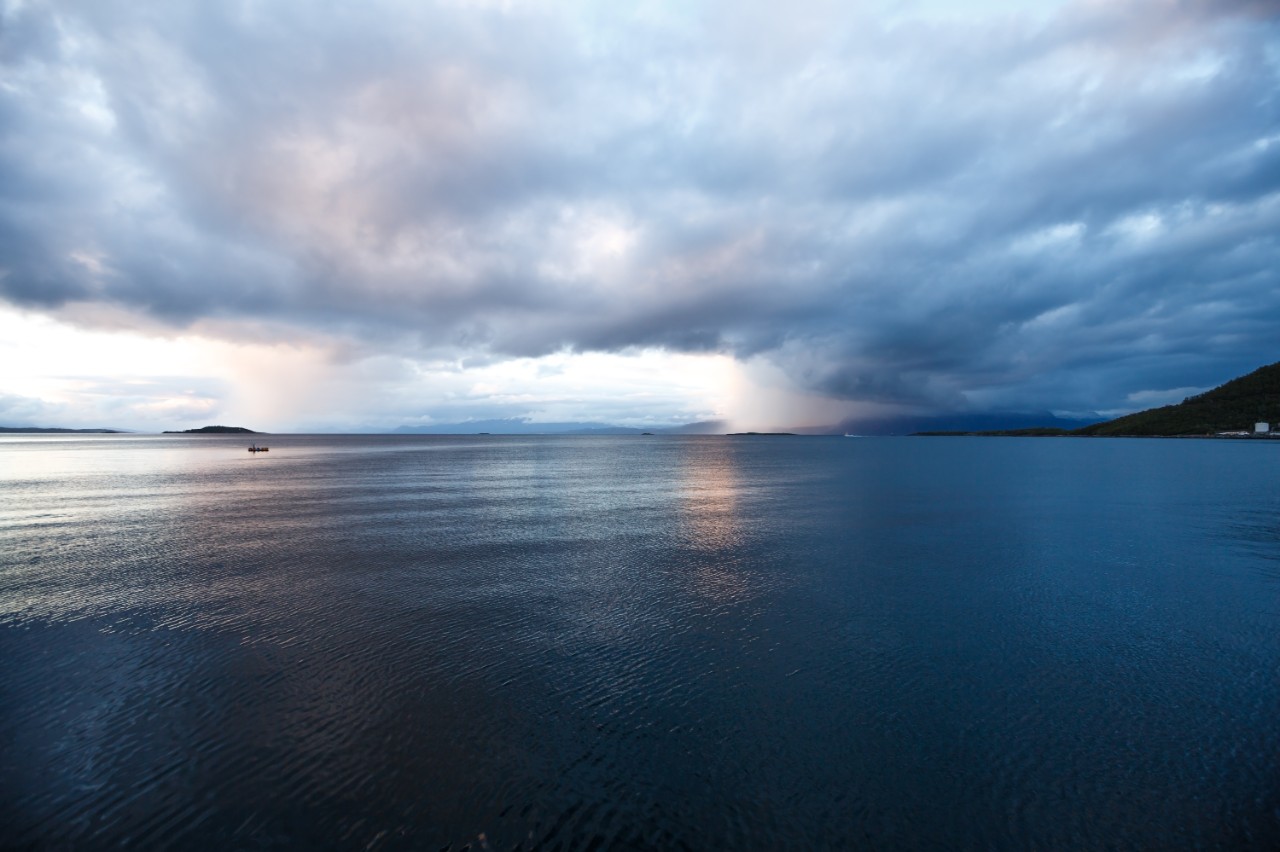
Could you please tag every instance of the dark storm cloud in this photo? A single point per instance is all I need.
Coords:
(1053, 211)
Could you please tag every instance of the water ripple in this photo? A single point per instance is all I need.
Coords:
(391, 643)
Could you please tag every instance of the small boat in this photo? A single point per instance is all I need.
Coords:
(256, 449)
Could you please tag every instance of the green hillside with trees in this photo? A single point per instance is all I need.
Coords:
(1235, 406)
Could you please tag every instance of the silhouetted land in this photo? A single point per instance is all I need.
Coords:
(36, 430)
(215, 430)
(1232, 407)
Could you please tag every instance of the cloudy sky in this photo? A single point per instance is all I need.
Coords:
(299, 215)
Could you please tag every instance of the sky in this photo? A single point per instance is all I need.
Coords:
(323, 216)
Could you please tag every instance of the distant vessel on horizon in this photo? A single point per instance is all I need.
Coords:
(254, 448)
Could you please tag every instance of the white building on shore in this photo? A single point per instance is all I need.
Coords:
(1261, 427)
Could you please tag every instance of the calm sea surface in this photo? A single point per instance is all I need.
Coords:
(639, 642)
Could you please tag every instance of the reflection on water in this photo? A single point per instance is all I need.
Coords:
(386, 642)
(709, 496)
(709, 521)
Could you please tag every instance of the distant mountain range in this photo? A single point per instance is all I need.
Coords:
(521, 426)
(958, 423)
(41, 430)
(1232, 407)
(903, 425)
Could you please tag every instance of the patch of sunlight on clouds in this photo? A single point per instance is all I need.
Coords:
(1200, 69)
(126, 379)
(75, 378)
(36, 352)
(92, 102)
(1139, 228)
(646, 387)
(1058, 237)
(639, 388)
(591, 243)
(1265, 143)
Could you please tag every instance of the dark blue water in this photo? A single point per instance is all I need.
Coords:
(639, 642)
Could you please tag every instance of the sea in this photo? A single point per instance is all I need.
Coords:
(638, 642)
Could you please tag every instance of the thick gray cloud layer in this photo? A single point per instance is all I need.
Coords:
(1009, 210)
